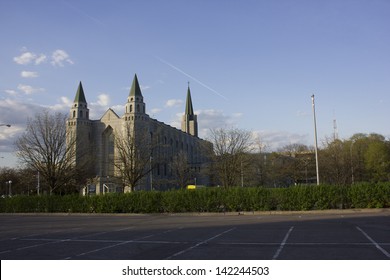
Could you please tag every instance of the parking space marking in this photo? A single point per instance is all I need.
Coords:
(374, 242)
(49, 241)
(301, 243)
(274, 238)
(122, 243)
(283, 243)
(199, 243)
(42, 233)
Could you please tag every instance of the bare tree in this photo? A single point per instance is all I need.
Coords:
(44, 148)
(181, 169)
(134, 154)
(231, 149)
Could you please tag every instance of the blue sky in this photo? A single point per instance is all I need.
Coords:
(250, 64)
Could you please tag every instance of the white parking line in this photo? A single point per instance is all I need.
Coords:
(199, 243)
(374, 242)
(282, 244)
(123, 243)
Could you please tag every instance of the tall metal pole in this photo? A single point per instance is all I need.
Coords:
(151, 174)
(10, 187)
(315, 138)
(38, 184)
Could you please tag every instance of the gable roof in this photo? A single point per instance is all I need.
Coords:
(109, 115)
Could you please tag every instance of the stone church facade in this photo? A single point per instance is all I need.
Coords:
(97, 152)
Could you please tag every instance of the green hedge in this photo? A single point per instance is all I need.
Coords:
(209, 200)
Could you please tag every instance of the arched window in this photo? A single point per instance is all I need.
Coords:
(74, 114)
(131, 108)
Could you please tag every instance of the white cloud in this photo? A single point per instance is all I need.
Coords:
(173, 103)
(29, 57)
(64, 105)
(119, 109)
(26, 89)
(28, 74)
(275, 140)
(176, 122)
(155, 111)
(25, 58)
(209, 119)
(15, 113)
(59, 57)
(11, 92)
(40, 59)
(101, 105)
(103, 100)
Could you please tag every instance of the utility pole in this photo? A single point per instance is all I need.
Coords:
(315, 138)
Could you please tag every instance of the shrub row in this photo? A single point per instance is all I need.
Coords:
(209, 200)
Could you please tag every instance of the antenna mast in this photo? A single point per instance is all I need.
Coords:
(335, 131)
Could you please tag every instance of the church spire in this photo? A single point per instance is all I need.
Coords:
(135, 88)
(189, 123)
(80, 97)
(189, 108)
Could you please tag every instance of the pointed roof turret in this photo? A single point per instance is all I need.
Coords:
(189, 108)
(80, 97)
(189, 123)
(135, 88)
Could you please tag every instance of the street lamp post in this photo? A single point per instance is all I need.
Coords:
(9, 187)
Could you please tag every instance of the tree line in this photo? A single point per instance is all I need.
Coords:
(236, 159)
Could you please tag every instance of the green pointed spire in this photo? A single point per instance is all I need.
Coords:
(189, 108)
(80, 97)
(135, 88)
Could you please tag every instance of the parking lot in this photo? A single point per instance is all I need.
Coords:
(329, 235)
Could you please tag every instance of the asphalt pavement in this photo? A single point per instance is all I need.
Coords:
(318, 235)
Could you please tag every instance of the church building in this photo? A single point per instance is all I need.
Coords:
(164, 156)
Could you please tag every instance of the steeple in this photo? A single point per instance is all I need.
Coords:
(135, 101)
(79, 108)
(135, 88)
(80, 97)
(189, 123)
(189, 108)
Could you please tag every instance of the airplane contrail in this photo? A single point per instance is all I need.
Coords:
(81, 12)
(191, 77)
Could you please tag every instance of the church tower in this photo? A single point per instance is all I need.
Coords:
(189, 123)
(80, 109)
(79, 129)
(135, 106)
